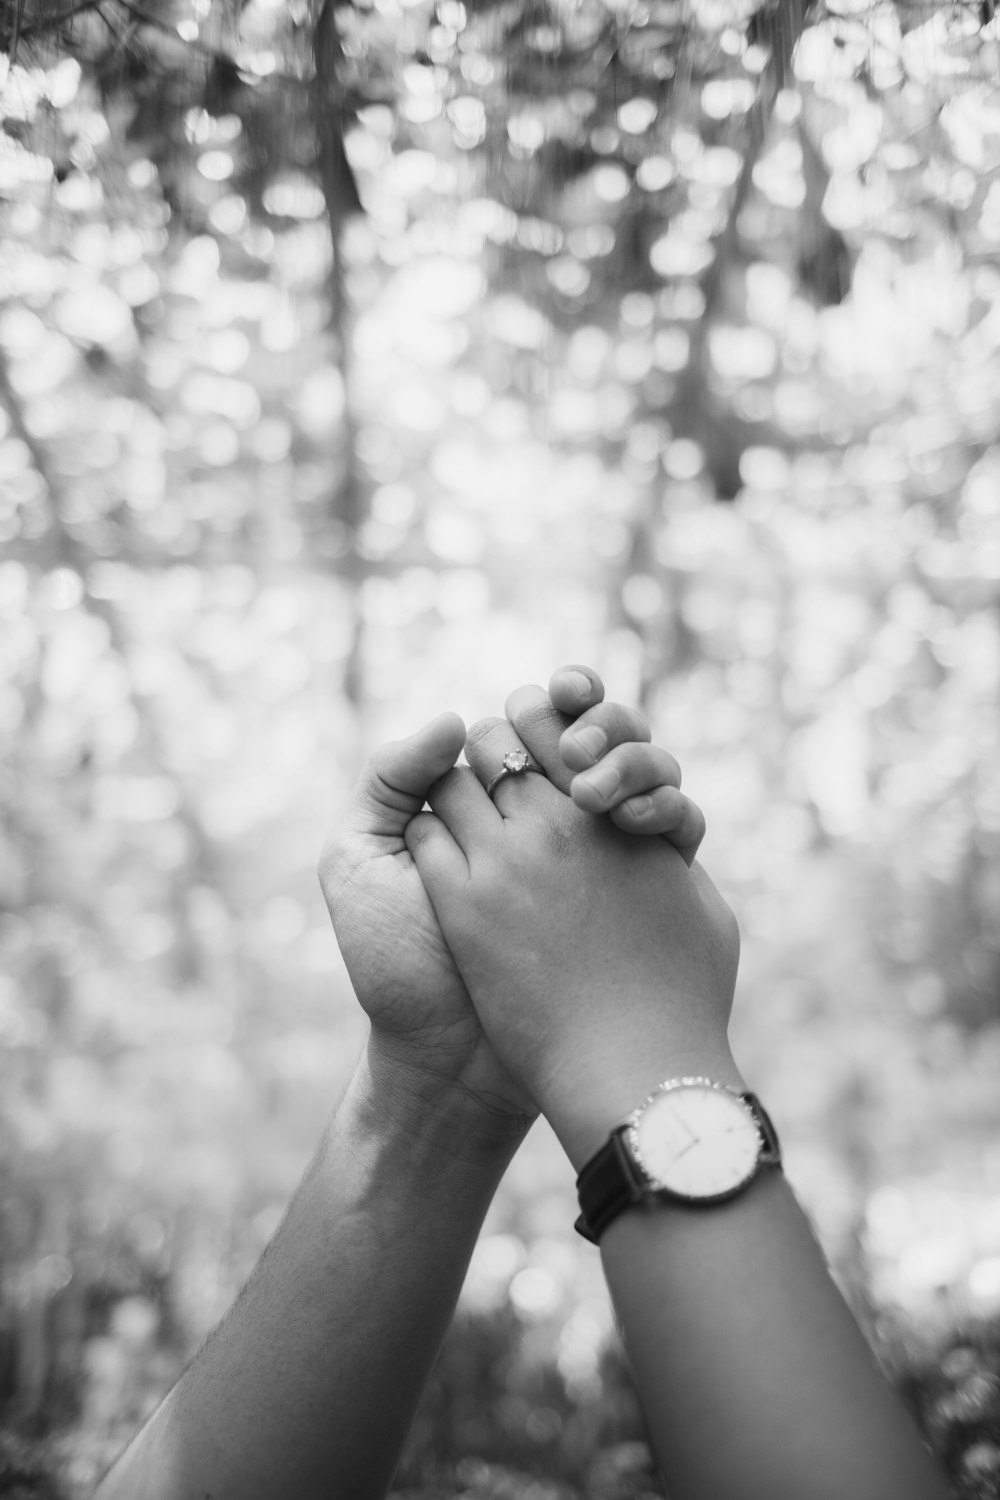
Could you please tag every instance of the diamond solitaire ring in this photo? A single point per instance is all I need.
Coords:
(515, 763)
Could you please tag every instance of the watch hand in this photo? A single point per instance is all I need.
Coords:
(679, 1120)
(684, 1150)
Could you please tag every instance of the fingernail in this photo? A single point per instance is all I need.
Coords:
(639, 806)
(591, 739)
(580, 683)
(605, 781)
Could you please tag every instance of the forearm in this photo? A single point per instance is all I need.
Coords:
(309, 1385)
(754, 1377)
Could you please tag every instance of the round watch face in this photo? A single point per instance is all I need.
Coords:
(696, 1139)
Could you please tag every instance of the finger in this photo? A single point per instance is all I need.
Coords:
(459, 801)
(486, 745)
(395, 782)
(543, 729)
(438, 858)
(600, 730)
(626, 771)
(665, 811)
(537, 723)
(574, 689)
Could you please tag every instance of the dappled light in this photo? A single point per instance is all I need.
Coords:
(358, 362)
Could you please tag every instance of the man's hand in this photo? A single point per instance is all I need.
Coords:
(426, 1035)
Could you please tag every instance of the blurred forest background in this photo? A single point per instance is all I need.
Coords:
(363, 358)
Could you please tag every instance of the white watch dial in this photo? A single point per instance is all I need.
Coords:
(696, 1139)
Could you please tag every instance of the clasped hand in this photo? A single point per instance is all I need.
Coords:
(555, 947)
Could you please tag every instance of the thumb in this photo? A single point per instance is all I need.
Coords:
(395, 782)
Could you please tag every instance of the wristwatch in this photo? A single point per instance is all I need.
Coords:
(693, 1140)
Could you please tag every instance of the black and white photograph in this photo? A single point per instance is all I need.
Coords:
(499, 750)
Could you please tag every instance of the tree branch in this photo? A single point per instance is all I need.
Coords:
(777, 29)
(343, 201)
(212, 54)
(16, 36)
(74, 555)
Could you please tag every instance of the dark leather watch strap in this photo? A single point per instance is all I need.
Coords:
(611, 1182)
(608, 1183)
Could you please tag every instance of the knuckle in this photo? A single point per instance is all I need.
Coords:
(535, 715)
(638, 723)
(483, 730)
(661, 767)
(377, 768)
(622, 724)
(375, 788)
(571, 677)
(672, 770)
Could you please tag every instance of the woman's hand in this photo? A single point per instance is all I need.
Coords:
(598, 963)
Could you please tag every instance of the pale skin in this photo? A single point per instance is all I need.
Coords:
(600, 966)
(308, 1386)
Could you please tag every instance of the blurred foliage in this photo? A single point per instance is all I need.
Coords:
(357, 360)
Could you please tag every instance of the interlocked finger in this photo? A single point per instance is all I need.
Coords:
(665, 811)
(457, 801)
(626, 771)
(547, 733)
(499, 758)
(599, 731)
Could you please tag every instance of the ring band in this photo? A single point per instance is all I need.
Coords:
(515, 763)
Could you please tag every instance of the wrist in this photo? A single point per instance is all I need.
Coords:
(434, 1110)
(584, 1112)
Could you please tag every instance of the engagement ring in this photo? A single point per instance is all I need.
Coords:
(515, 763)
